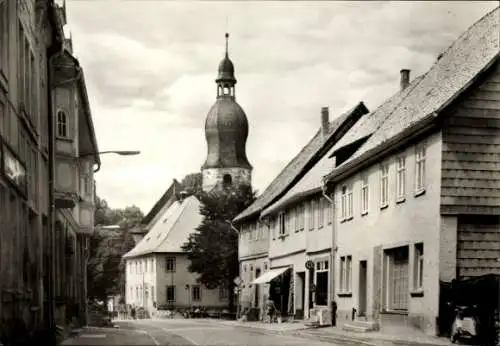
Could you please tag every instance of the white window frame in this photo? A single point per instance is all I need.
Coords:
(345, 274)
(384, 185)
(346, 204)
(282, 224)
(312, 214)
(365, 198)
(300, 217)
(418, 271)
(170, 264)
(400, 178)
(420, 156)
(329, 212)
(196, 297)
(321, 212)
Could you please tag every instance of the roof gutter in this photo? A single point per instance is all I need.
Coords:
(373, 155)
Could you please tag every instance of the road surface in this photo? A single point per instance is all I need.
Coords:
(188, 333)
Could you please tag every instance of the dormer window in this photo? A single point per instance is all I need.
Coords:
(62, 125)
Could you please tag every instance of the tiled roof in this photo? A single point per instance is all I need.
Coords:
(470, 55)
(175, 187)
(171, 230)
(309, 184)
(296, 166)
(365, 126)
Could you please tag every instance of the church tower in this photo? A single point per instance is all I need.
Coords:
(226, 132)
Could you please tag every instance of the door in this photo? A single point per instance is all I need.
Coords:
(257, 289)
(362, 288)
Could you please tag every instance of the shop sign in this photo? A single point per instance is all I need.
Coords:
(14, 169)
(309, 265)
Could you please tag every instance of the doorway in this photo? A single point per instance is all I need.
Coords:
(363, 272)
(301, 284)
(257, 289)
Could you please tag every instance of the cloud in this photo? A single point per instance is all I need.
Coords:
(150, 69)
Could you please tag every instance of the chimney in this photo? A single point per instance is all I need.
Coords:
(405, 78)
(325, 121)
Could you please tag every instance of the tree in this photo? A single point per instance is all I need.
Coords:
(106, 269)
(213, 247)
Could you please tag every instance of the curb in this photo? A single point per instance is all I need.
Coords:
(366, 340)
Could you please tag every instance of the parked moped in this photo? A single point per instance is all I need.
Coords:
(465, 325)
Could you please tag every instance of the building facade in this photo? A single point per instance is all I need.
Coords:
(157, 275)
(264, 219)
(29, 34)
(417, 190)
(301, 229)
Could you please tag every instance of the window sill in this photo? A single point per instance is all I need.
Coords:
(347, 219)
(394, 312)
(417, 293)
(419, 192)
(344, 294)
(400, 200)
(64, 139)
(384, 206)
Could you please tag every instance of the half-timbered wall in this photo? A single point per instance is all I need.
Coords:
(471, 151)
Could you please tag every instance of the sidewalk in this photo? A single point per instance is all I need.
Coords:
(336, 334)
(405, 337)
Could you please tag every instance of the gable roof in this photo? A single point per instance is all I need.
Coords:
(174, 188)
(300, 164)
(171, 230)
(459, 66)
(310, 183)
(370, 122)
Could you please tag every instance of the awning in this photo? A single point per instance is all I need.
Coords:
(269, 275)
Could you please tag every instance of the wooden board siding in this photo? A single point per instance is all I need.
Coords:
(478, 250)
(470, 179)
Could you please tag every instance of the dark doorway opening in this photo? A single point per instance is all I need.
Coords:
(363, 272)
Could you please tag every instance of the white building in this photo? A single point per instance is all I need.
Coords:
(157, 275)
(301, 227)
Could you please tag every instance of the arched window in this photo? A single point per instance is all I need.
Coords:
(62, 125)
(227, 179)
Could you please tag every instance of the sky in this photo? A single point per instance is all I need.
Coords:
(150, 68)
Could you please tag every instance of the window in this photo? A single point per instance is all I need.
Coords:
(329, 212)
(384, 185)
(300, 217)
(321, 212)
(62, 124)
(196, 293)
(170, 264)
(223, 293)
(312, 212)
(420, 169)
(321, 293)
(396, 279)
(4, 38)
(346, 204)
(282, 223)
(146, 266)
(400, 178)
(345, 274)
(170, 293)
(418, 272)
(153, 293)
(364, 195)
